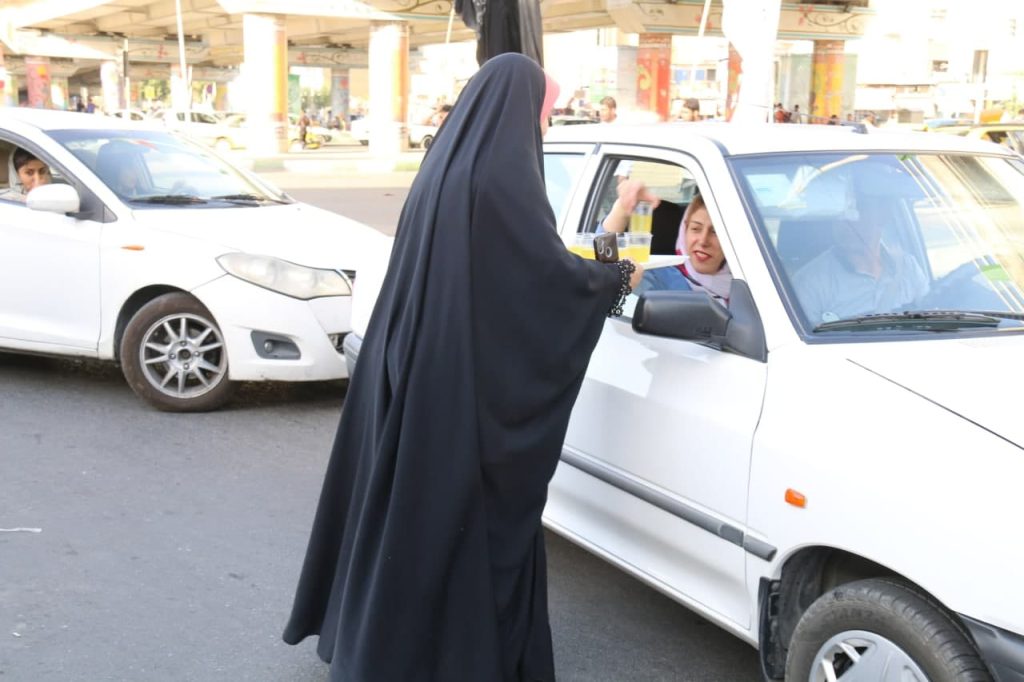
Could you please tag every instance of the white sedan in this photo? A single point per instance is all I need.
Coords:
(151, 251)
(829, 466)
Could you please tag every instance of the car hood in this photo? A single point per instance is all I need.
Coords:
(959, 375)
(298, 233)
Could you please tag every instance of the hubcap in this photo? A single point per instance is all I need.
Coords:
(860, 656)
(182, 356)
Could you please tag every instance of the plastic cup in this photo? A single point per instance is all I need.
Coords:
(641, 218)
(583, 245)
(639, 248)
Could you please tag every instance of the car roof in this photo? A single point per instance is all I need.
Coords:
(51, 119)
(734, 139)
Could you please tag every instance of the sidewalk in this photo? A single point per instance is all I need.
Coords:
(343, 164)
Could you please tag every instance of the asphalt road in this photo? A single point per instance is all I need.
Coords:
(166, 547)
(138, 545)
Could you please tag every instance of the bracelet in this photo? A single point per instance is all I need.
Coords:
(626, 270)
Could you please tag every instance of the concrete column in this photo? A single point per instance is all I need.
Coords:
(8, 95)
(339, 95)
(732, 96)
(389, 86)
(59, 92)
(654, 73)
(827, 84)
(265, 77)
(37, 78)
(110, 83)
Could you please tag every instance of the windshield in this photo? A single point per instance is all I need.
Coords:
(160, 169)
(884, 241)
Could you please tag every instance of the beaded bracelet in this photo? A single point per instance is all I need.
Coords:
(626, 270)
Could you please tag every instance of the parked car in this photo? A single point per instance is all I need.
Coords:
(422, 135)
(419, 135)
(836, 485)
(222, 134)
(151, 251)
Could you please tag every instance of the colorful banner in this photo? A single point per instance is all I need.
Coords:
(37, 77)
(654, 73)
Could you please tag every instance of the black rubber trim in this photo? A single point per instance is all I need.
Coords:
(1002, 650)
(681, 510)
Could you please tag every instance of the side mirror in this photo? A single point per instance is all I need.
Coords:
(695, 316)
(54, 199)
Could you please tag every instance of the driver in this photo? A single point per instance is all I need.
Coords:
(859, 274)
(26, 172)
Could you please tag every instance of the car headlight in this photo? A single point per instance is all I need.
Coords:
(285, 278)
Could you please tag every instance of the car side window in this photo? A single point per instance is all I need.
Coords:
(9, 184)
(676, 188)
(561, 172)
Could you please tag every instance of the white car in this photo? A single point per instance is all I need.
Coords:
(151, 251)
(419, 135)
(838, 486)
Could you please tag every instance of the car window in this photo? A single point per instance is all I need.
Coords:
(877, 234)
(7, 147)
(561, 170)
(149, 166)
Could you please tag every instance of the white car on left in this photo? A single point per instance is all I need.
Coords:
(151, 251)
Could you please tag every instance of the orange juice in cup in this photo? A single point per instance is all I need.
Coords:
(639, 248)
(582, 245)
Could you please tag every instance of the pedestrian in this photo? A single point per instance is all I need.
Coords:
(609, 110)
(304, 124)
(796, 116)
(426, 559)
(690, 110)
(90, 108)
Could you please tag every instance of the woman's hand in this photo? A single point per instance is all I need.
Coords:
(629, 193)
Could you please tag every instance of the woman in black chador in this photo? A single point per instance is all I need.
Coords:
(426, 560)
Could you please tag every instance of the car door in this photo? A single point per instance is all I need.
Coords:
(656, 462)
(49, 275)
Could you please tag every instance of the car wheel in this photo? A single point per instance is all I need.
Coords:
(173, 355)
(880, 631)
(427, 141)
(222, 144)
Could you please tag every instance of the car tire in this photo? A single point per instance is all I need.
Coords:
(174, 357)
(427, 141)
(855, 628)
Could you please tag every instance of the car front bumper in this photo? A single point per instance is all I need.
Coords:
(1002, 650)
(351, 347)
(247, 315)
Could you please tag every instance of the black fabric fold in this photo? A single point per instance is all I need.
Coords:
(426, 559)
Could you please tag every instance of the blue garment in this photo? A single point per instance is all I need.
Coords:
(829, 288)
(661, 279)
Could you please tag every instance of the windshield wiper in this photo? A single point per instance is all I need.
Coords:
(246, 197)
(169, 199)
(925, 320)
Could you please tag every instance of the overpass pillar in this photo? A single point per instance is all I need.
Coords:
(339, 95)
(827, 81)
(654, 73)
(265, 77)
(389, 86)
(8, 95)
(37, 81)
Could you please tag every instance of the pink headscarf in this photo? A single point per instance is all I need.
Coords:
(718, 283)
(551, 90)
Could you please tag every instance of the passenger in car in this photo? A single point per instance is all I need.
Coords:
(859, 274)
(705, 267)
(26, 172)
